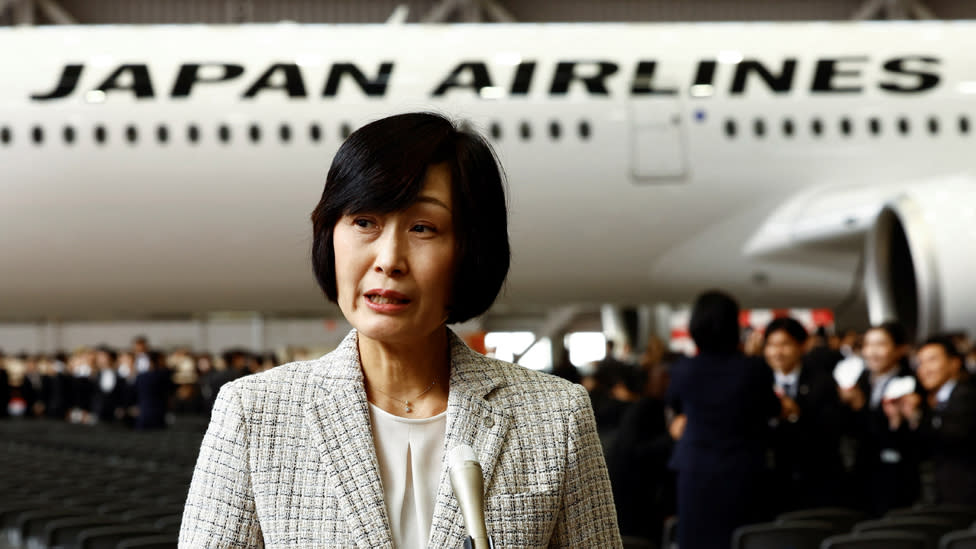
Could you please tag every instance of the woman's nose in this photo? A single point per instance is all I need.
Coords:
(390, 255)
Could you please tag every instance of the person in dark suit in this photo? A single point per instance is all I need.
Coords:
(108, 388)
(152, 389)
(806, 463)
(4, 386)
(643, 487)
(724, 401)
(945, 422)
(886, 464)
(60, 397)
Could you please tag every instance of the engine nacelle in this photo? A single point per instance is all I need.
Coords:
(921, 259)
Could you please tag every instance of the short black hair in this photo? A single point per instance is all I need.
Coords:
(381, 168)
(714, 324)
(947, 344)
(791, 326)
(895, 330)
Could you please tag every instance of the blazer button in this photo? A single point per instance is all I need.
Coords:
(489, 422)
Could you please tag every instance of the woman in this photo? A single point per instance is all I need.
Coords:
(349, 450)
(724, 401)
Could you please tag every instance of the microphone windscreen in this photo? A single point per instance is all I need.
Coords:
(459, 455)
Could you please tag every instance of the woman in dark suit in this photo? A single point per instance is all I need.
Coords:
(724, 401)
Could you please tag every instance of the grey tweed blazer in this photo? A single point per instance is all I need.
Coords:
(289, 461)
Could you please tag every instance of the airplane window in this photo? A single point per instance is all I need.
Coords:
(345, 130)
(284, 132)
(845, 126)
(903, 125)
(875, 126)
(193, 133)
(315, 133)
(131, 134)
(223, 133)
(730, 127)
(933, 125)
(162, 133)
(37, 135)
(963, 125)
(584, 129)
(759, 127)
(788, 127)
(69, 135)
(525, 130)
(496, 131)
(816, 126)
(100, 134)
(5, 136)
(254, 132)
(554, 130)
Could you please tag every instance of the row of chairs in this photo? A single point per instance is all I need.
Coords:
(102, 487)
(922, 527)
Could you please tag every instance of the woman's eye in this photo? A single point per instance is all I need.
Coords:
(362, 223)
(423, 229)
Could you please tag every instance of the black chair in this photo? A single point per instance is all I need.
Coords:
(108, 537)
(961, 516)
(168, 523)
(932, 528)
(877, 540)
(780, 535)
(64, 532)
(149, 542)
(958, 540)
(632, 542)
(842, 519)
(670, 535)
(151, 514)
(31, 524)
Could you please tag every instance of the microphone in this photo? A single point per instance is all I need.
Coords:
(469, 489)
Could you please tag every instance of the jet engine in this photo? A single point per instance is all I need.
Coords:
(920, 259)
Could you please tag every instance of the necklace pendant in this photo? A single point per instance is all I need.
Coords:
(406, 406)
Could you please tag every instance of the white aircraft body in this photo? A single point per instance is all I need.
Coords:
(172, 169)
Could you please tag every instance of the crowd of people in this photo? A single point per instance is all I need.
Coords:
(779, 419)
(138, 387)
(860, 420)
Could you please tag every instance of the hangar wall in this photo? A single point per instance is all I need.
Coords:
(377, 11)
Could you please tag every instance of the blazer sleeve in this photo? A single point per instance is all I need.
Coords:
(220, 509)
(587, 516)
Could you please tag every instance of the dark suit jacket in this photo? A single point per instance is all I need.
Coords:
(886, 467)
(948, 435)
(806, 452)
(152, 393)
(728, 400)
(4, 392)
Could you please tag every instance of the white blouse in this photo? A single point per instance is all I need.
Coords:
(410, 452)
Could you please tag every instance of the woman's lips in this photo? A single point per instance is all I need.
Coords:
(386, 301)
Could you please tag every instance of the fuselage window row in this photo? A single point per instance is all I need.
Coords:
(845, 126)
(224, 133)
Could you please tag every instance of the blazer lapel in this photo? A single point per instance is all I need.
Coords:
(471, 420)
(341, 430)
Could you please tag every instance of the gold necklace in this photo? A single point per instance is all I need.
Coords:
(406, 403)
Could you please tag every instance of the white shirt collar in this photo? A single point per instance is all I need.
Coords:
(945, 391)
(791, 378)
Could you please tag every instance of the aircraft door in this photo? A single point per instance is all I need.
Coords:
(657, 140)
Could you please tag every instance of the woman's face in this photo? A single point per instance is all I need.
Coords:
(879, 351)
(394, 271)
